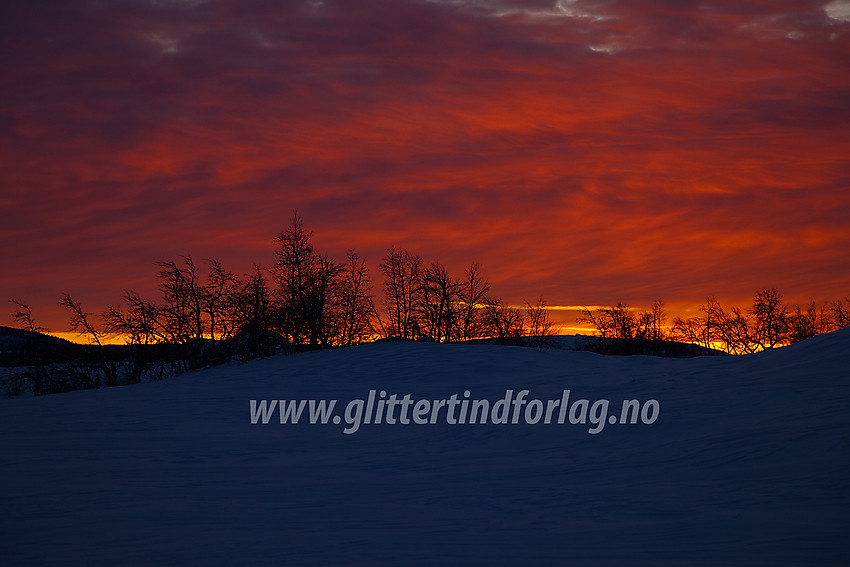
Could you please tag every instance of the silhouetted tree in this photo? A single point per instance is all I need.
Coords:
(770, 319)
(255, 317)
(737, 332)
(650, 324)
(472, 292)
(324, 320)
(182, 311)
(293, 271)
(841, 313)
(23, 318)
(704, 330)
(616, 322)
(736, 335)
(219, 298)
(356, 301)
(139, 325)
(36, 376)
(503, 322)
(306, 287)
(808, 323)
(402, 291)
(82, 323)
(538, 326)
(439, 305)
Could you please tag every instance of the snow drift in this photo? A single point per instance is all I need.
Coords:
(746, 463)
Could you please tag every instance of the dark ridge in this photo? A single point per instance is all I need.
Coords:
(632, 347)
(20, 348)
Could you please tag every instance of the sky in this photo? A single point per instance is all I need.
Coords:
(589, 151)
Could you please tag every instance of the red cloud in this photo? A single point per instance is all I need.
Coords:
(603, 151)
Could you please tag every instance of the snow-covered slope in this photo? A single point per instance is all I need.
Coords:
(748, 463)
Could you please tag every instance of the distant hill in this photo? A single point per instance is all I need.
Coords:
(19, 347)
(12, 338)
(631, 347)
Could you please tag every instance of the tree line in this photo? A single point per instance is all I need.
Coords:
(206, 314)
(767, 323)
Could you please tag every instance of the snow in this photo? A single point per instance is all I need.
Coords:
(747, 464)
